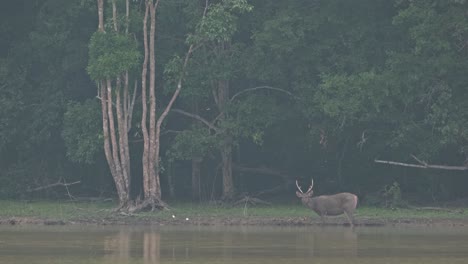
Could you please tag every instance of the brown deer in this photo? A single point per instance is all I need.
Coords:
(324, 205)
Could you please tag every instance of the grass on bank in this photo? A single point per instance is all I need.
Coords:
(69, 211)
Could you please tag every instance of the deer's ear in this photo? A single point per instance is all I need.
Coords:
(300, 195)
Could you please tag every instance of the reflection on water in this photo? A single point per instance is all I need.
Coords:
(84, 244)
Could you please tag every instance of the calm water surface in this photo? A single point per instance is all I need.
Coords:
(117, 244)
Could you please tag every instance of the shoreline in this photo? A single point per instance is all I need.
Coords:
(103, 213)
(236, 221)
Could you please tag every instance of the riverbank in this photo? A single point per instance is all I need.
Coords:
(101, 213)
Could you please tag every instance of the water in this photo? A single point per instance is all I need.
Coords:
(117, 244)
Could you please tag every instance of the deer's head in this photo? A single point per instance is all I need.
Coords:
(307, 194)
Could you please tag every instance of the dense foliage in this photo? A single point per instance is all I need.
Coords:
(275, 91)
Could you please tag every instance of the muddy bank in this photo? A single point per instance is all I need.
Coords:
(235, 221)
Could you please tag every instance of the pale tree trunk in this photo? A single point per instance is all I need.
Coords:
(151, 185)
(151, 135)
(115, 135)
(105, 129)
(118, 178)
(100, 4)
(123, 139)
(145, 158)
(154, 192)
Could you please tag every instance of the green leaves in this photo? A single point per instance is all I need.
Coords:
(354, 97)
(219, 24)
(81, 131)
(196, 142)
(251, 116)
(111, 54)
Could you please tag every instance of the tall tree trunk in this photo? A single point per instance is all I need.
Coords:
(151, 185)
(100, 4)
(105, 129)
(119, 178)
(115, 136)
(151, 136)
(154, 192)
(222, 94)
(145, 159)
(123, 140)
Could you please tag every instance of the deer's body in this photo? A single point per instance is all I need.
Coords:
(324, 205)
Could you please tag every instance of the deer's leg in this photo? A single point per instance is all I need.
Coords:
(350, 218)
(323, 218)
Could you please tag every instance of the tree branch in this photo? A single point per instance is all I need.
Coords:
(197, 117)
(422, 165)
(131, 105)
(59, 183)
(250, 90)
(259, 88)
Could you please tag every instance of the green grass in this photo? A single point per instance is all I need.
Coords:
(194, 210)
(69, 211)
(205, 210)
(62, 210)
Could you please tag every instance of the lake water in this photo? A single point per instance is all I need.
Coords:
(123, 244)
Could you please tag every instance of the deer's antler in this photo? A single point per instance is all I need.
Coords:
(308, 190)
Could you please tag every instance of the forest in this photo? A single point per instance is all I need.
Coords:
(151, 101)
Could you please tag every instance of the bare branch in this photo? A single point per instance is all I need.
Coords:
(215, 95)
(197, 117)
(363, 140)
(250, 90)
(206, 8)
(259, 88)
(191, 49)
(59, 183)
(131, 105)
(418, 160)
(422, 165)
(179, 87)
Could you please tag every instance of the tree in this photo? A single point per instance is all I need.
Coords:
(234, 110)
(112, 55)
(214, 33)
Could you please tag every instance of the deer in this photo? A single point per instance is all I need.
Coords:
(332, 205)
